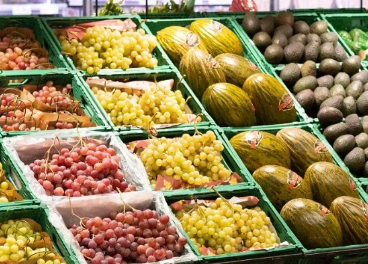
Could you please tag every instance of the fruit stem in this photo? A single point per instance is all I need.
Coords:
(196, 131)
(124, 203)
(222, 197)
(74, 214)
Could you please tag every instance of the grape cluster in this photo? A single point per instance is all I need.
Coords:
(103, 47)
(195, 160)
(227, 228)
(159, 105)
(18, 52)
(50, 96)
(88, 170)
(138, 237)
(20, 245)
(15, 120)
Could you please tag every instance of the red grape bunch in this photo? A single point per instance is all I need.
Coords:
(50, 96)
(139, 236)
(88, 170)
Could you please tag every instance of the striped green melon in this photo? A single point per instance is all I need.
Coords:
(200, 70)
(236, 68)
(312, 223)
(176, 41)
(217, 37)
(281, 184)
(328, 181)
(305, 149)
(273, 104)
(352, 214)
(257, 148)
(228, 105)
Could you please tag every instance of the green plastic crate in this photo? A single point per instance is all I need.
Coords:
(347, 22)
(230, 159)
(159, 24)
(289, 254)
(57, 23)
(34, 23)
(327, 255)
(193, 103)
(58, 79)
(40, 214)
(176, 15)
(309, 17)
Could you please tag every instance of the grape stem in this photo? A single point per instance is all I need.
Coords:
(74, 214)
(124, 203)
(48, 153)
(222, 197)
(196, 131)
(3, 193)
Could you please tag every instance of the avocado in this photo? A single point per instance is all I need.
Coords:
(262, 40)
(313, 38)
(348, 106)
(332, 132)
(293, 52)
(311, 51)
(306, 99)
(362, 103)
(351, 65)
(344, 144)
(320, 95)
(337, 89)
(362, 140)
(268, 24)
(334, 101)
(298, 38)
(287, 30)
(355, 89)
(280, 39)
(326, 51)
(355, 159)
(329, 37)
(365, 87)
(354, 125)
(329, 116)
(318, 27)
(326, 81)
(329, 66)
(340, 53)
(366, 155)
(285, 18)
(360, 76)
(308, 69)
(364, 123)
(343, 79)
(301, 27)
(274, 54)
(290, 74)
(309, 82)
(251, 23)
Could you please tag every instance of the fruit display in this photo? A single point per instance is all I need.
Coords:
(7, 190)
(331, 85)
(41, 107)
(284, 39)
(185, 161)
(103, 46)
(142, 103)
(20, 50)
(128, 237)
(221, 226)
(23, 240)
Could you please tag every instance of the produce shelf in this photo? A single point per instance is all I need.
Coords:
(48, 143)
(41, 215)
(230, 159)
(192, 102)
(347, 22)
(34, 23)
(58, 23)
(287, 254)
(58, 79)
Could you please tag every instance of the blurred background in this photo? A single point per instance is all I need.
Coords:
(70, 8)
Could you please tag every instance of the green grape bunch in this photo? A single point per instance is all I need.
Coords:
(172, 7)
(111, 9)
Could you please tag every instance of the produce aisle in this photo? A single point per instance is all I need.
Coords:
(221, 138)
